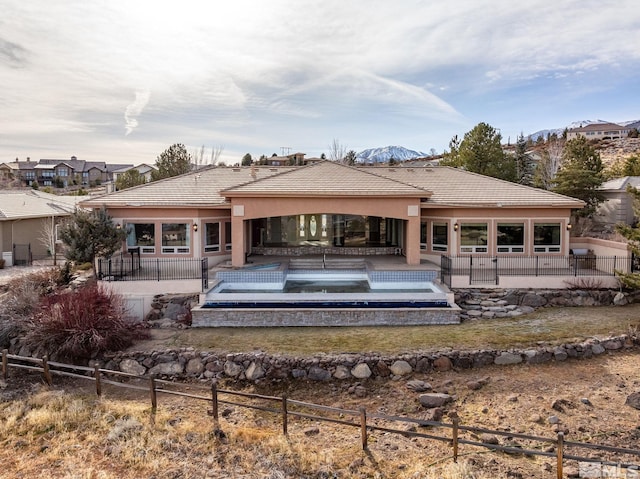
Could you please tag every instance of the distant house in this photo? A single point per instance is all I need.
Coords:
(61, 173)
(598, 131)
(24, 217)
(618, 204)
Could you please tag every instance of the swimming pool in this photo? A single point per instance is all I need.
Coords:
(285, 297)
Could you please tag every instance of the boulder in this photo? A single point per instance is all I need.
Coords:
(401, 368)
(167, 369)
(431, 400)
(361, 371)
(254, 371)
(316, 373)
(508, 358)
(131, 366)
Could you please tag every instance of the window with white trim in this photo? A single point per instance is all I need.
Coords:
(175, 238)
(227, 236)
(546, 238)
(440, 237)
(212, 237)
(473, 238)
(510, 238)
(142, 235)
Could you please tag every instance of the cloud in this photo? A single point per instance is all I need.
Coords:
(12, 53)
(134, 110)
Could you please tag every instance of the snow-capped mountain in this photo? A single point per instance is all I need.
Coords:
(578, 124)
(384, 154)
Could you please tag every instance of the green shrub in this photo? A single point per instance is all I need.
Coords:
(82, 324)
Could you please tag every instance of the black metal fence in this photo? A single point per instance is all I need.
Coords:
(133, 268)
(488, 269)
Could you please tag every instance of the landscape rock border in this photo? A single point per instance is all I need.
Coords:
(259, 366)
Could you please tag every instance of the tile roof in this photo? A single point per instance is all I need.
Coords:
(621, 183)
(34, 204)
(198, 189)
(438, 186)
(328, 178)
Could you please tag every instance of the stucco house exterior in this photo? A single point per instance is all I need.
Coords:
(618, 204)
(598, 131)
(24, 216)
(328, 208)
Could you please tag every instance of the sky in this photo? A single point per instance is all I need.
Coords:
(122, 80)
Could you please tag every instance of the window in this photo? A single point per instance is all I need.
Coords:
(175, 238)
(141, 235)
(63, 171)
(510, 238)
(440, 235)
(473, 238)
(423, 235)
(227, 236)
(546, 238)
(212, 237)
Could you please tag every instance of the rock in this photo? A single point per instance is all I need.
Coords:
(431, 400)
(194, 366)
(442, 363)
(633, 400)
(312, 431)
(432, 415)
(382, 369)
(612, 344)
(489, 439)
(533, 300)
(233, 369)
(477, 384)
(560, 404)
(401, 368)
(167, 369)
(553, 420)
(316, 373)
(131, 366)
(560, 354)
(620, 299)
(586, 401)
(360, 391)
(419, 386)
(597, 349)
(254, 371)
(341, 372)
(508, 358)
(298, 373)
(361, 371)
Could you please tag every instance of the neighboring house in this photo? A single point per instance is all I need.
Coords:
(326, 207)
(25, 215)
(599, 131)
(144, 170)
(618, 204)
(52, 172)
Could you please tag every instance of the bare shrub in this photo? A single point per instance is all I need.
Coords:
(82, 324)
(24, 292)
(586, 283)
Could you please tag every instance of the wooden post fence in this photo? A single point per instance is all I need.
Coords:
(46, 372)
(96, 373)
(363, 428)
(214, 402)
(456, 424)
(560, 452)
(5, 363)
(154, 396)
(285, 418)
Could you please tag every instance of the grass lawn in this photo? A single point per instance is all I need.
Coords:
(549, 325)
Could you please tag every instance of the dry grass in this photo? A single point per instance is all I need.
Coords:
(552, 325)
(58, 434)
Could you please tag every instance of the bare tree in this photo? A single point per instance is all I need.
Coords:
(216, 151)
(549, 163)
(48, 237)
(337, 151)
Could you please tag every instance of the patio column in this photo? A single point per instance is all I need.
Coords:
(238, 236)
(412, 236)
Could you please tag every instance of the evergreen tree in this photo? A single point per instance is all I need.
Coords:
(89, 235)
(247, 160)
(174, 161)
(452, 157)
(580, 175)
(350, 158)
(481, 152)
(129, 178)
(524, 165)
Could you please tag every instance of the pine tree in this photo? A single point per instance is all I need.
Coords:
(524, 165)
(174, 161)
(481, 152)
(129, 178)
(580, 175)
(89, 235)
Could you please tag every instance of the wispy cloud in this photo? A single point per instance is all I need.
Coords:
(12, 53)
(134, 110)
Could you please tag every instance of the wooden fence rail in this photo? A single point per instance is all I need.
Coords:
(286, 408)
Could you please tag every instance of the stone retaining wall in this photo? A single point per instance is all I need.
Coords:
(190, 363)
